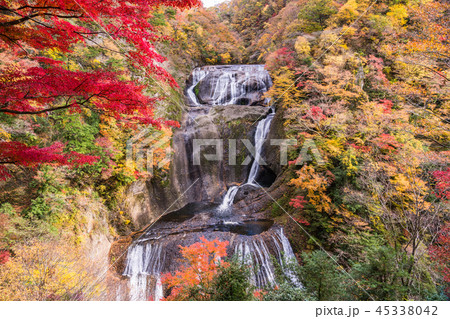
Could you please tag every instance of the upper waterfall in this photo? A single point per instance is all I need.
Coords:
(228, 84)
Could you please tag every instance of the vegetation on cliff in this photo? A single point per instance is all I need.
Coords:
(367, 81)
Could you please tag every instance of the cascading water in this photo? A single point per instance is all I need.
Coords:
(255, 241)
(228, 84)
(197, 75)
(260, 136)
(144, 261)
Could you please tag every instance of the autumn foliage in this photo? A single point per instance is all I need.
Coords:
(35, 81)
(440, 253)
(194, 279)
(19, 154)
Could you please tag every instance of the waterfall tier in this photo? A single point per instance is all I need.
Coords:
(228, 84)
(148, 258)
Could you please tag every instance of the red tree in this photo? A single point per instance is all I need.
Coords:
(4, 256)
(31, 83)
(442, 183)
(440, 253)
(299, 203)
(20, 154)
(203, 260)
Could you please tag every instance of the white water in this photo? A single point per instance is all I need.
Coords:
(260, 136)
(229, 198)
(256, 253)
(143, 261)
(197, 75)
(232, 84)
(286, 256)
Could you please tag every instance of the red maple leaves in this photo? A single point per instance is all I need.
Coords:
(4, 256)
(314, 113)
(442, 183)
(440, 253)
(203, 260)
(31, 156)
(31, 83)
(299, 203)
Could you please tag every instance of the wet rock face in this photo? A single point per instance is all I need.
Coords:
(146, 201)
(228, 84)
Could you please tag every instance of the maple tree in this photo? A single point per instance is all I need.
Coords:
(32, 81)
(195, 279)
(31, 156)
(4, 256)
(299, 203)
(443, 183)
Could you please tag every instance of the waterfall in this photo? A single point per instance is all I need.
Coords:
(256, 253)
(286, 256)
(260, 136)
(143, 261)
(197, 75)
(255, 240)
(227, 201)
(228, 84)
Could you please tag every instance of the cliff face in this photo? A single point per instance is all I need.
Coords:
(212, 93)
(209, 197)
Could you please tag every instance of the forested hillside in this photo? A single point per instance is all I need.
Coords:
(367, 81)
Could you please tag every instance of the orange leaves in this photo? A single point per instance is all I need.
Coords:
(315, 185)
(387, 144)
(203, 261)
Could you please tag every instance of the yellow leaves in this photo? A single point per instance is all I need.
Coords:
(401, 183)
(4, 135)
(283, 89)
(200, 31)
(211, 60)
(343, 215)
(350, 162)
(54, 53)
(398, 14)
(315, 185)
(408, 182)
(410, 73)
(48, 271)
(347, 13)
(226, 57)
(334, 147)
(410, 192)
(302, 46)
(330, 43)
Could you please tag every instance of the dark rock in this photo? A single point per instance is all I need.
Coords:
(265, 176)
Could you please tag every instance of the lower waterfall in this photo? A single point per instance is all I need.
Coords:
(146, 262)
